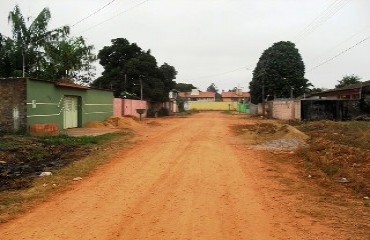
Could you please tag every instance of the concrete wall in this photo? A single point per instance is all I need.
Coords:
(218, 106)
(45, 103)
(13, 109)
(127, 107)
(286, 109)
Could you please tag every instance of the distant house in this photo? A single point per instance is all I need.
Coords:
(235, 96)
(27, 101)
(196, 95)
(353, 91)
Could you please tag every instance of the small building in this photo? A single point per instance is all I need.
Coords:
(196, 95)
(235, 96)
(27, 101)
(352, 91)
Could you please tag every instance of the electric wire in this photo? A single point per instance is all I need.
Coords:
(92, 14)
(125, 11)
(222, 73)
(339, 54)
(329, 12)
(341, 43)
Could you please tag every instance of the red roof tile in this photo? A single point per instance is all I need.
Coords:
(234, 95)
(200, 95)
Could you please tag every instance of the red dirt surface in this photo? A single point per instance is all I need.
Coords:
(191, 178)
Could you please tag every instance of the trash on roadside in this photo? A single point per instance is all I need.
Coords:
(44, 174)
(343, 180)
(77, 179)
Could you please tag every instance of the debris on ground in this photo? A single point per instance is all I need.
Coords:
(44, 174)
(77, 179)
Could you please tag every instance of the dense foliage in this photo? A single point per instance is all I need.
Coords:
(184, 87)
(280, 71)
(348, 80)
(127, 66)
(35, 51)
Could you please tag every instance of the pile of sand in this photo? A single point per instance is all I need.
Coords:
(115, 122)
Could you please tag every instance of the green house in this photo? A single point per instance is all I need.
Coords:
(27, 101)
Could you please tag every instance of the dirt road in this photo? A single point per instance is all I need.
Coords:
(189, 178)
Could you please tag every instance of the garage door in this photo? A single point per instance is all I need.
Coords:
(70, 112)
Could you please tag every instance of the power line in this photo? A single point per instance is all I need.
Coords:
(222, 73)
(339, 54)
(330, 11)
(127, 10)
(341, 43)
(92, 14)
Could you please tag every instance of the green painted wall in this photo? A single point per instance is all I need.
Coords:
(45, 103)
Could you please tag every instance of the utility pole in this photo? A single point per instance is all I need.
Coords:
(263, 98)
(23, 63)
(291, 92)
(141, 89)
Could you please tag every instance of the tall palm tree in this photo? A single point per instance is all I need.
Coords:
(30, 41)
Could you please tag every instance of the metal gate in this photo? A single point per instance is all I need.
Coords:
(70, 112)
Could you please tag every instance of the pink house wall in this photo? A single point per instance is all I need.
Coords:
(127, 107)
(117, 107)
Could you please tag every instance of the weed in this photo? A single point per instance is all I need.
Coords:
(83, 140)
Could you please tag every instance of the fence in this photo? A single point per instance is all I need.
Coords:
(340, 110)
(217, 106)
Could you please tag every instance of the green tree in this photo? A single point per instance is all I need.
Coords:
(35, 51)
(68, 58)
(212, 88)
(348, 80)
(127, 67)
(184, 87)
(279, 72)
(30, 41)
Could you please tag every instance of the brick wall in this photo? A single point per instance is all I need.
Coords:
(13, 105)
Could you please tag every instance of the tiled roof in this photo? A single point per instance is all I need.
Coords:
(349, 87)
(234, 95)
(70, 85)
(200, 95)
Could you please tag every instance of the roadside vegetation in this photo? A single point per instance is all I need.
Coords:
(24, 158)
(340, 150)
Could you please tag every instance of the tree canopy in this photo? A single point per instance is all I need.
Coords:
(348, 80)
(127, 66)
(212, 88)
(35, 51)
(184, 87)
(279, 71)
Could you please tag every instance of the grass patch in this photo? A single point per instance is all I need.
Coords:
(16, 200)
(83, 140)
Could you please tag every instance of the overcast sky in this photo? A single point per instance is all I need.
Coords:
(220, 41)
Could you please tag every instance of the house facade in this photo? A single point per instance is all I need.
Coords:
(27, 101)
(235, 96)
(196, 95)
(353, 91)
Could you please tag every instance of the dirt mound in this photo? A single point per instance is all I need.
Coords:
(115, 122)
(94, 124)
(271, 135)
(122, 122)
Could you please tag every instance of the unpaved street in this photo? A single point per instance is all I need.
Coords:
(188, 178)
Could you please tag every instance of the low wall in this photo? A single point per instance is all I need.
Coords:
(127, 107)
(217, 106)
(281, 109)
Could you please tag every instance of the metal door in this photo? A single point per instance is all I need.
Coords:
(70, 112)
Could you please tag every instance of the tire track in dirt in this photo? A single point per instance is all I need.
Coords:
(183, 179)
